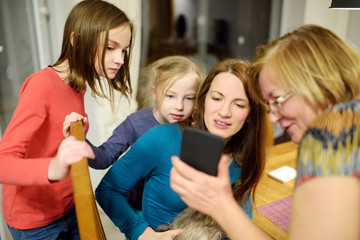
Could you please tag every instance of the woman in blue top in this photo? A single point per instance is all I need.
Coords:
(224, 108)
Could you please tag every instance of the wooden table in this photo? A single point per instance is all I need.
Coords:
(270, 190)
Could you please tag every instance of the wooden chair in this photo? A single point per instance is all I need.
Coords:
(88, 218)
(270, 133)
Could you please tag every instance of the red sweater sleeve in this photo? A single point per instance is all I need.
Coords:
(34, 134)
(30, 141)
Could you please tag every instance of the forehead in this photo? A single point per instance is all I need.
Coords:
(120, 35)
(189, 81)
(229, 85)
(269, 83)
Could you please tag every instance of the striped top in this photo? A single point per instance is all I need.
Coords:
(331, 145)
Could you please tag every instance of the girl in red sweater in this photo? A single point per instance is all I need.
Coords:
(34, 156)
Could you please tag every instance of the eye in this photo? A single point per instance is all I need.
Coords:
(190, 98)
(170, 96)
(109, 48)
(239, 105)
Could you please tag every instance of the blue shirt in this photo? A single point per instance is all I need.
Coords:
(149, 158)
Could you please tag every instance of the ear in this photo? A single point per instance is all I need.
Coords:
(72, 39)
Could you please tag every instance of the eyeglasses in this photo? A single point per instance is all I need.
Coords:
(277, 103)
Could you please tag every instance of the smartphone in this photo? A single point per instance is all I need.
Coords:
(201, 150)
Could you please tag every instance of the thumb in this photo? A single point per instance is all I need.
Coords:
(176, 232)
(223, 166)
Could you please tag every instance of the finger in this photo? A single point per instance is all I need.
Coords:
(176, 232)
(73, 117)
(223, 167)
(184, 169)
(85, 121)
(77, 152)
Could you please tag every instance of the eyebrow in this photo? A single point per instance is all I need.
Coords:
(174, 91)
(236, 99)
(116, 43)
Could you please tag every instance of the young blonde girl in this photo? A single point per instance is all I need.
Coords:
(168, 88)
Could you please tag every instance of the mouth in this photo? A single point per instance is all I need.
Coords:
(221, 124)
(177, 117)
(114, 69)
(286, 129)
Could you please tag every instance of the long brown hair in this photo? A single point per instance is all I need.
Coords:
(86, 21)
(247, 146)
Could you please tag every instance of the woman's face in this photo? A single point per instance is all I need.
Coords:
(119, 41)
(294, 115)
(226, 106)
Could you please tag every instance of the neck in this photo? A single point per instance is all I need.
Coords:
(63, 71)
(158, 116)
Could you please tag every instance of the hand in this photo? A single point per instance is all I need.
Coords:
(73, 117)
(150, 234)
(205, 193)
(69, 152)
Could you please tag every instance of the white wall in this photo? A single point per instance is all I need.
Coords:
(345, 23)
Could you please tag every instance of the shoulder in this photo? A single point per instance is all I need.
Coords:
(42, 80)
(142, 118)
(160, 135)
(166, 129)
(335, 124)
(38, 86)
(331, 144)
(146, 112)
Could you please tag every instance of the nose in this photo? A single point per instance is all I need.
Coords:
(179, 104)
(225, 110)
(119, 57)
(273, 117)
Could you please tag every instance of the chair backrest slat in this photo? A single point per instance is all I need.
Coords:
(89, 222)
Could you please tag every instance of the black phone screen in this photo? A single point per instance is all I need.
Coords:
(201, 150)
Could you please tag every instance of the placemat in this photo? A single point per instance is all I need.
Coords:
(278, 212)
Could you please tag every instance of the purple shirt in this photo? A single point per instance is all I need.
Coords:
(135, 125)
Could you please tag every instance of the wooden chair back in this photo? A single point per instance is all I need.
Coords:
(270, 133)
(88, 218)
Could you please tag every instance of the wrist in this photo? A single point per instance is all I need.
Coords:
(225, 209)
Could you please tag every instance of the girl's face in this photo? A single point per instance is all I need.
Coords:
(178, 102)
(119, 41)
(294, 115)
(226, 106)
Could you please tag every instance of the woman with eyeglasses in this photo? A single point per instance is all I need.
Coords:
(310, 80)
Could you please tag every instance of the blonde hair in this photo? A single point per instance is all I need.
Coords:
(314, 63)
(162, 74)
(199, 226)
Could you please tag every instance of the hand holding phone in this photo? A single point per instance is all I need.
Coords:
(201, 150)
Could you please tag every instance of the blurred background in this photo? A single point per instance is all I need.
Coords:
(209, 30)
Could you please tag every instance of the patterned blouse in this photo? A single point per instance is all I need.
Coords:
(331, 145)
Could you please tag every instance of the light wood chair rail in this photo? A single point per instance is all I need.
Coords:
(89, 222)
(270, 132)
